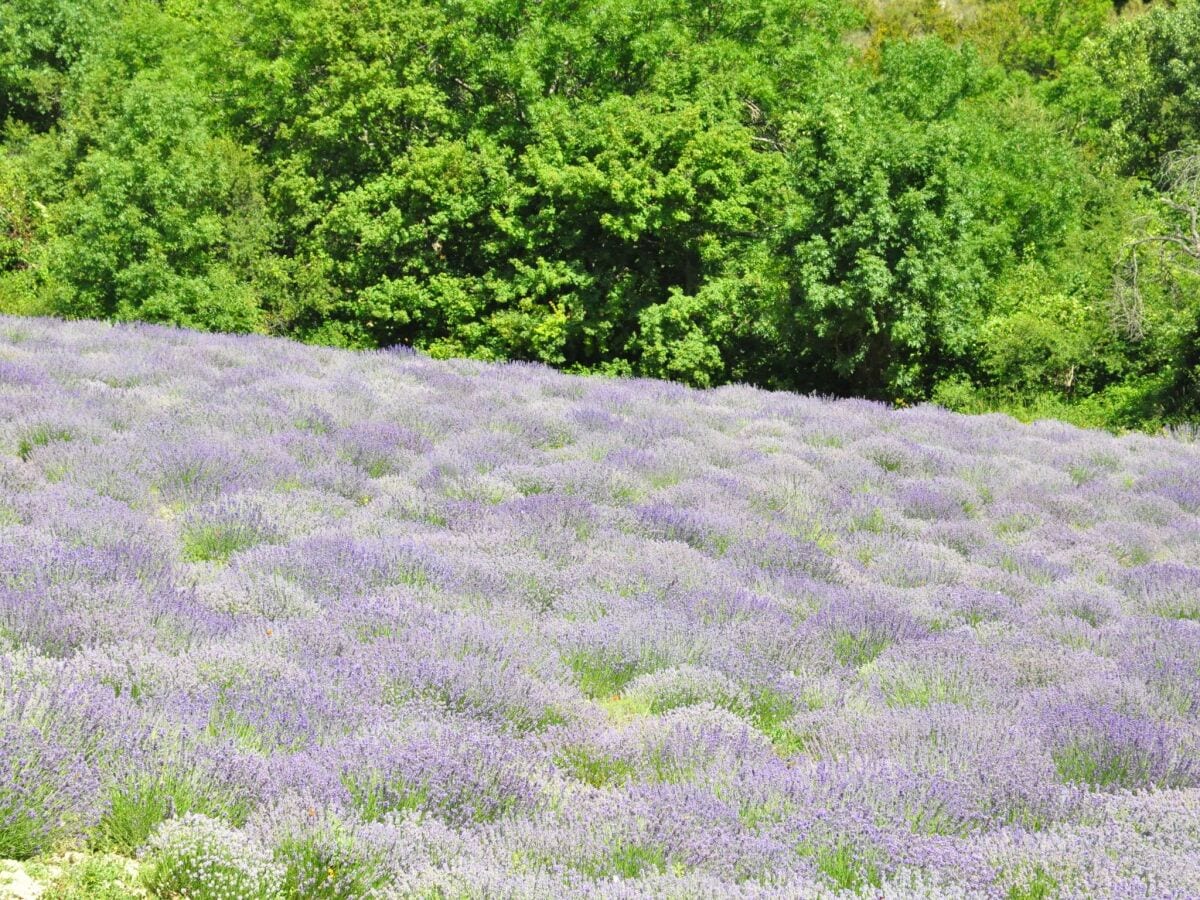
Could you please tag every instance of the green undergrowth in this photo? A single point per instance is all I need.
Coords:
(137, 806)
(600, 677)
(74, 876)
(40, 436)
(844, 866)
(216, 543)
(1035, 885)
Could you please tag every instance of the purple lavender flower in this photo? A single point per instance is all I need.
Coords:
(287, 620)
(1108, 749)
(459, 776)
(48, 793)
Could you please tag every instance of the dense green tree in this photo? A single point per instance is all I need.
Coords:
(899, 200)
(1157, 300)
(560, 187)
(926, 189)
(24, 228)
(1136, 90)
(1035, 36)
(41, 41)
(160, 216)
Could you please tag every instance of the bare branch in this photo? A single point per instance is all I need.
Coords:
(1128, 308)
(1175, 243)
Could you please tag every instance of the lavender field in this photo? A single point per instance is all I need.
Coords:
(282, 621)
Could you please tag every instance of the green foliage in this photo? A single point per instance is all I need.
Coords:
(627, 861)
(857, 649)
(660, 187)
(879, 274)
(138, 805)
(217, 542)
(40, 436)
(41, 42)
(1183, 390)
(1135, 89)
(1103, 767)
(1035, 36)
(594, 768)
(770, 711)
(846, 867)
(21, 835)
(1044, 342)
(94, 878)
(162, 219)
(600, 676)
(24, 231)
(1040, 885)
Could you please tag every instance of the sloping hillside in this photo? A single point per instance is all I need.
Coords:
(287, 621)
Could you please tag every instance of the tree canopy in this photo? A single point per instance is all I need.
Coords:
(897, 200)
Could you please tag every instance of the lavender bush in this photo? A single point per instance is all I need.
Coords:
(291, 622)
(200, 858)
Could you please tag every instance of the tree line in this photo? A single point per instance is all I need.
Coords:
(990, 204)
